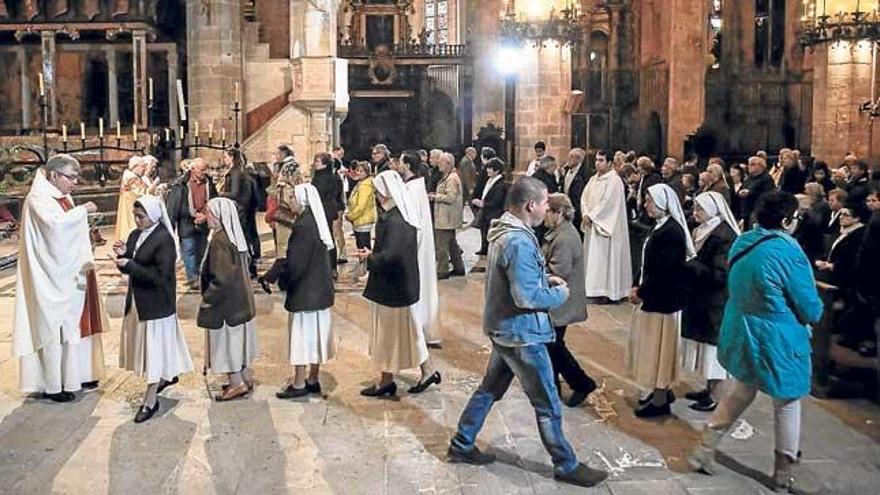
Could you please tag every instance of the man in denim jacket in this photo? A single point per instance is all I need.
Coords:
(519, 294)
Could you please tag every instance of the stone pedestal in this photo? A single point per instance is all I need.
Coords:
(841, 83)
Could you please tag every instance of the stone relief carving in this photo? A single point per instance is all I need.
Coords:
(382, 70)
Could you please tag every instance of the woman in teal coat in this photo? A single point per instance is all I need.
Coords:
(764, 341)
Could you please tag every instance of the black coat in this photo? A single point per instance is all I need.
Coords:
(757, 187)
(240, 187)
(844, 257)
(868, 265)
(664, 275)
(394, 263)
(330, 189)
(178, 207)
(548, 179)
(675, 182)
(576, 190)
(307, 276)
(151, 274)
(810, 232)
(493, 205)
(226, 289)
(793, 180)
(707, 287)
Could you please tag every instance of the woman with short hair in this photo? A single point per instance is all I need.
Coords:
(764, 342)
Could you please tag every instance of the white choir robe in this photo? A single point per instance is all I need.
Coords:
(425, 311)
(54, 256)
(606, 242)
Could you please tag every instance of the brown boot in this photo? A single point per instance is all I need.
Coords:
(790, 476)
(702, 457)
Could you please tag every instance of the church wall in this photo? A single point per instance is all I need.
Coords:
(10, 92)
(488, 88)
(274, 19)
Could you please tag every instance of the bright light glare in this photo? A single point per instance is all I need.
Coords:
(508, 59)
(535, 9)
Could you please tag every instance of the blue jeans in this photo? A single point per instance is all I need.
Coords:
(192, 250)
(531, 365)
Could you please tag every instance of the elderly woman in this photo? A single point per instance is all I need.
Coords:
(765, 340)
(308, 280)
(707, 281)
(815, 215)
(660, 296)
(131, 187)
(564, 253)
(396, 342)
(227, 310)
(152, 343)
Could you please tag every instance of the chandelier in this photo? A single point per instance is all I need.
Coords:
(842, 26)
(563, 27)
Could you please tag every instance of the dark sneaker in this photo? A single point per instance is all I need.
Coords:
(60, 396)
(582, 475)
(314, 388)
(292, 392)
(474, 456)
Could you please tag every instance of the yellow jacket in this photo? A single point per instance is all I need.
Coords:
(362, 204)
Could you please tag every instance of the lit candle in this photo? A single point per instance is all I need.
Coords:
(118, 130)
(167, 134)
(180, 136)
(211, 130)
(197, 129)
(82, 131)
(223, 134)
(42, 86)
(64, 132)
(101, 127)
(237, 93)
(151, 88)
(134, 132)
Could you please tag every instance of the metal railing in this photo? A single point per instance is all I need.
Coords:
(406, 50)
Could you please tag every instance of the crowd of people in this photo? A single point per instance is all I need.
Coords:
(720, 262)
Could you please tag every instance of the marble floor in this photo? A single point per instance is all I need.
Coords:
(347, 444)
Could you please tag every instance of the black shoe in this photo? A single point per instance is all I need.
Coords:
(649, 410)
(292, 392)
(164, 385)
(578, 397)
(145, 413)
(60, 396)
(697, 396)
(374, 391)
(650, 397)
(705, 405)
(459, 273)
(90, 385)
(314, 388)
(264, 285)
(423, 385)
(444, 276)
(582, 475)
(474, 456)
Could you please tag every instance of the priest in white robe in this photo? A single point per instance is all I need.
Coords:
(58, 317)
(606, 235)
(426, 310)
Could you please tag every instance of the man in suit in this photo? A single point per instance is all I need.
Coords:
(546, 173)
(671, 173)
(575, 177)
(490, 200)
(467, 171)
(187, 203)
(756, 185)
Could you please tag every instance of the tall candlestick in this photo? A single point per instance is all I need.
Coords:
(134, 132)
(181, 103)
(223, 134)
(211, 130)
(237, 94)
(151, 89)
(167, 134)
(101, 127)
(197, 129)
(180, 136)
(82, 131)
(118, 130)
(42, 86)
(64, 132)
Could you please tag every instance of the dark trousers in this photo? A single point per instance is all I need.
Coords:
(447, 250)
(332, 253)
(566, 365)
(362, 240)
(484, 238)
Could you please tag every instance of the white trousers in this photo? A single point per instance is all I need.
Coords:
(787, 416)
(53, 368)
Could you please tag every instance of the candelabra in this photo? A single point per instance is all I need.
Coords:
(564, 27)
(843, 26)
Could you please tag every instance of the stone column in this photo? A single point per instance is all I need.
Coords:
(25, 87)
(112, 88)
(139, 75)
(48, 50)
(614, 40)
(173, 117)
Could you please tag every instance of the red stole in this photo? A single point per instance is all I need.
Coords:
(90, 320)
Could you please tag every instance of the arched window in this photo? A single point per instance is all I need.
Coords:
(437, 21)
(769, 32)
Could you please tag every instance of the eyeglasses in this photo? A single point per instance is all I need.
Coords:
(70, 177)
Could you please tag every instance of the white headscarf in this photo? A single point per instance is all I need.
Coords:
(715, 206)
(155, 209)
(307, 195)
(665, 198)
(224, 210)
(389, 183)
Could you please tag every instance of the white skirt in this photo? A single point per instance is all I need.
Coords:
(310, 337)
(396, 341)
(153, 349)
(230, 349)
(702, 359)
